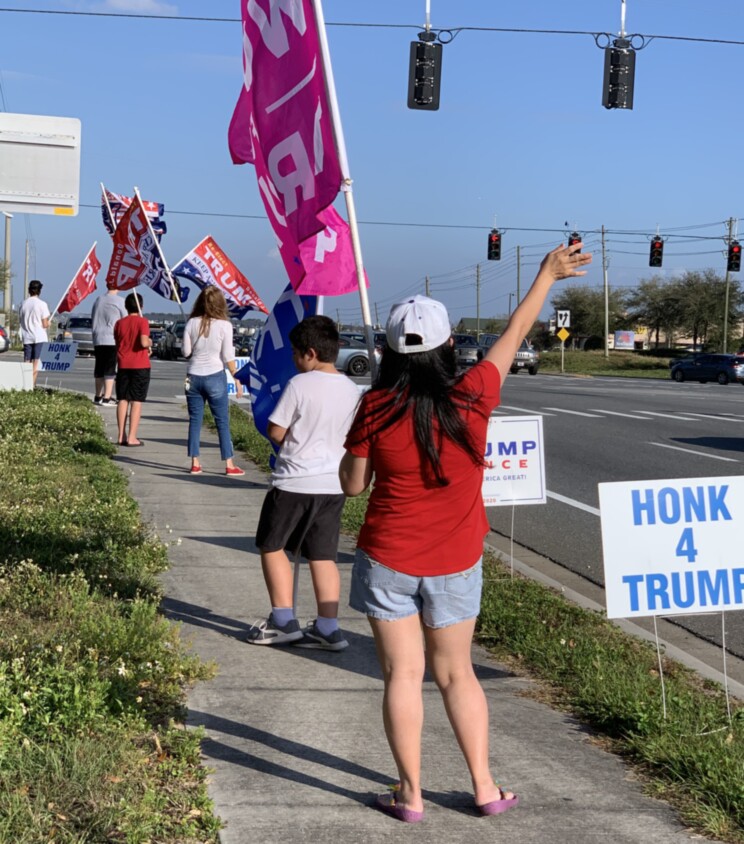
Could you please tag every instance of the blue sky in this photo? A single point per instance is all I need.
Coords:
(521, 138)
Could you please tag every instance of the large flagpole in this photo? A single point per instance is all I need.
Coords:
(73, 280)
(347, 182)
(160, 252)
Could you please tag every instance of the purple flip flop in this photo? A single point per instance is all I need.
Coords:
(387, 803)
(496, 807)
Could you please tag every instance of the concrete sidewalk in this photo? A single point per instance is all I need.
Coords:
(295, 736)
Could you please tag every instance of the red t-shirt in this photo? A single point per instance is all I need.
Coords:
(130, 353)
(413, 524)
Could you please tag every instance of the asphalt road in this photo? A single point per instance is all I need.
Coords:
(612, 429)
(595, 430)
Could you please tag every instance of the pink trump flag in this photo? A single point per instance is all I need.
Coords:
(282, 125)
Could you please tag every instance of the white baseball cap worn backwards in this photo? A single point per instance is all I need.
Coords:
(422, 316)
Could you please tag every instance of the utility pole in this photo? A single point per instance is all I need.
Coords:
(25, 270)
(606, 297)
(338, 320)
(377, 316)
(477, 301)
(427, 285)
(727, 286)
(519, 275)
(8, 292)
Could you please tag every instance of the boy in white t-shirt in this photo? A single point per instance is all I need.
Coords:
(34, 317)
(302, 510)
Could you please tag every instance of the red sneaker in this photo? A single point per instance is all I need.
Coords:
(235, 471)
(195, 470)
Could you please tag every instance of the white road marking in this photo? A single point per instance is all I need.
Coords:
(667, 416)
(525, 410)
(574, 412)
(720, 418)
(615, 413)
(691, 451)
(573, 503)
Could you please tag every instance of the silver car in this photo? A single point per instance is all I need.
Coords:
(4, 339)
(353, 356)
(77, 329)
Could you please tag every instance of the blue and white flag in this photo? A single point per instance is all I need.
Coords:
(271, 364)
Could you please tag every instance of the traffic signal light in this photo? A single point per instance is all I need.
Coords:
(657, 252)
(574, 237)
(494, 245)
(734, 257)
(619, 75)
(424, 73)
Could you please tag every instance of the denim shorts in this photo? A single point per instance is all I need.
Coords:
(442, 600)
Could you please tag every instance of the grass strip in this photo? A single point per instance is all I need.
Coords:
(619, 363)
(694, 758)
(92, 678)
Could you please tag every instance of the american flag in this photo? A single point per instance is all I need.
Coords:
(115, 205)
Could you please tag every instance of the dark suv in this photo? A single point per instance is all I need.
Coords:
(527, 356)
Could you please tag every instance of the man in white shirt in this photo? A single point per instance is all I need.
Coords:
(34, 319)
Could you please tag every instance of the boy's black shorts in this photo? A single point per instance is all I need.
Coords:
(132, 384)
(105, 361)
(293, 521)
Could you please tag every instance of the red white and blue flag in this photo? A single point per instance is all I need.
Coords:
(207, 264)
(136, 258)
(115, 205)
(282, 125)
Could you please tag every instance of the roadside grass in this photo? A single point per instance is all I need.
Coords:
(693, 758)
(92, 678)
(624, 364)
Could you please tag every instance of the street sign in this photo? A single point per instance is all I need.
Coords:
(563, 335)
(39, 164)
(563, 319)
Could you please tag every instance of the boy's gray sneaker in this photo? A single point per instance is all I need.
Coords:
(313, 638)
(269, 633)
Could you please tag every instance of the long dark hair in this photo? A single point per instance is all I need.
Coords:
(424, 384)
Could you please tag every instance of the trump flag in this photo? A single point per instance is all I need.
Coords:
(207, 264)
(82, 285)
(282, 125)
(271, 364)
(136, 258)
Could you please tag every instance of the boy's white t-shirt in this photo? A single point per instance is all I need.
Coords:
(317, 408)
(31, 313)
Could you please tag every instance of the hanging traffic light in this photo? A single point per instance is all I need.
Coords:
(619, 75)
(734, 257)
(424, 72)
(494, 245)
(656, 255)
(574, 237)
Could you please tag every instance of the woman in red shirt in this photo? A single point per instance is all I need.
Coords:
(133, 344)
(421, 432)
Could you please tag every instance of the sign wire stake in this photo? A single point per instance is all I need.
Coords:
(725, 673)
(511, 541)
(661, 669)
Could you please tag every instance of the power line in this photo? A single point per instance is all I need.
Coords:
(449, 32)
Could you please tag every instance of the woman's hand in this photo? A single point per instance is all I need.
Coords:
(565, 262)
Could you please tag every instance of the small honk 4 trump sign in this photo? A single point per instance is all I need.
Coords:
(673, 547)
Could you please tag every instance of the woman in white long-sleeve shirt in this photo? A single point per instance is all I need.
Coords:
(208, 346)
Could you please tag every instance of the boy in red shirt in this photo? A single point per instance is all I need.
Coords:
(133, 345)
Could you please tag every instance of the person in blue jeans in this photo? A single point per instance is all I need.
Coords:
(208, 347)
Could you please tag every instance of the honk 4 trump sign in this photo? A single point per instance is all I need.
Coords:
(673, 547)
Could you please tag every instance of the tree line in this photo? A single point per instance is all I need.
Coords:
(689, 306)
